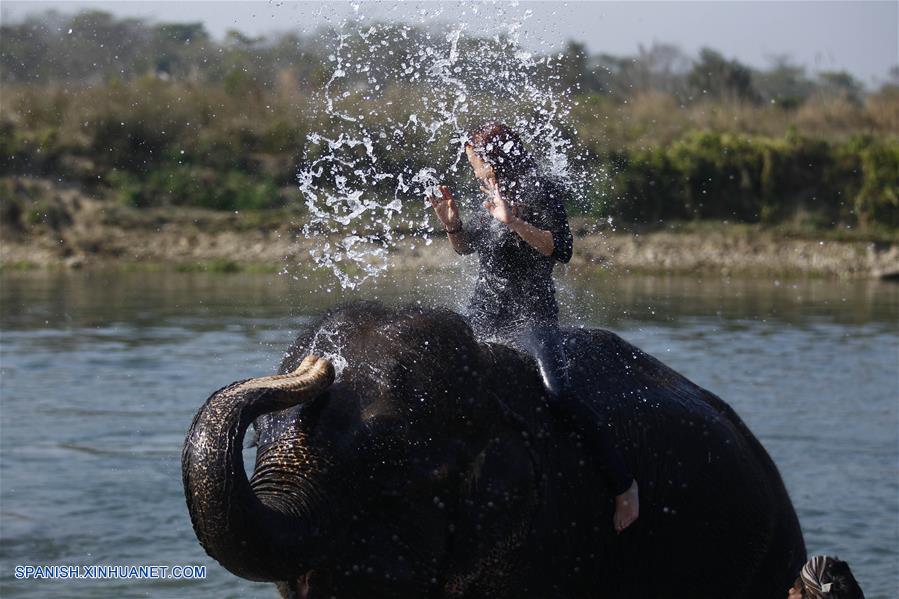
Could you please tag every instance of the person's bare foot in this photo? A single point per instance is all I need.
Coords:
(627, 508)
(795, 591)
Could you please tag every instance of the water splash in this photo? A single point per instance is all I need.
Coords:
(402, 86)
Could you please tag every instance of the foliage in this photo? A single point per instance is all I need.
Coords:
(94, 46)
(716, 77)
(163, 115)
(195, 186)
(878, 199)
(728, 177)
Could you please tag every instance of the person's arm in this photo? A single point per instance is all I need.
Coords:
(460, 240)
(555, 242)
(448, 213)
(540, 240)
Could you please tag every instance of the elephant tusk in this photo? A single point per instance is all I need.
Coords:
(313, 375)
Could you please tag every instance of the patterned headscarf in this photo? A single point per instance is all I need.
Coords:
(811, 577)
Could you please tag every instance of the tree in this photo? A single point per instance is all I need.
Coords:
(183, 33)
(840, 84)
(661, 67)
(716, 77)
(573, 69)
(784, 84)
(893, 76)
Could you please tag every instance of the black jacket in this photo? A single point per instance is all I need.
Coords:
(515, 287)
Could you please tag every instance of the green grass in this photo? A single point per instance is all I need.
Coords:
(219, 265)
(18, 266)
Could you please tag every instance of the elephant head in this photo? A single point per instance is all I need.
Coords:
(365, 449)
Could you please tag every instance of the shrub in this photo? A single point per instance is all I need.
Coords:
(194, 186)
(723, 176)
(878, 199)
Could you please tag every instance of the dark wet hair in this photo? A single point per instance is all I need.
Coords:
(501, 147)
(842, 583)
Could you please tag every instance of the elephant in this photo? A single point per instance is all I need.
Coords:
(399, 456)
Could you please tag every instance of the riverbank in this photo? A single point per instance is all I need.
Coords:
(68, 229)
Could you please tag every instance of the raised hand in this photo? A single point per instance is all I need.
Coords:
(445, 208)
(498, 207)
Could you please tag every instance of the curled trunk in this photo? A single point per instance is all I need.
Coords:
(255, 536)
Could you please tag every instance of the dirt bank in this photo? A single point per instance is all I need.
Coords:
(49, 226)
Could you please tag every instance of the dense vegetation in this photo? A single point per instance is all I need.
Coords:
(155, 115)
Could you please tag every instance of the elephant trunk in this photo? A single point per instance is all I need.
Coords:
(255, 536)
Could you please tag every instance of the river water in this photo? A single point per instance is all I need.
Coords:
(101, 373)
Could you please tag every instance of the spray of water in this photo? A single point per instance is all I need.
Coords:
(419, 89)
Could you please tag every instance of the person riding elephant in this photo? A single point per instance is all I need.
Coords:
(398, 455)
(519, 236)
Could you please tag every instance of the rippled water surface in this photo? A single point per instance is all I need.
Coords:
(101, 373)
